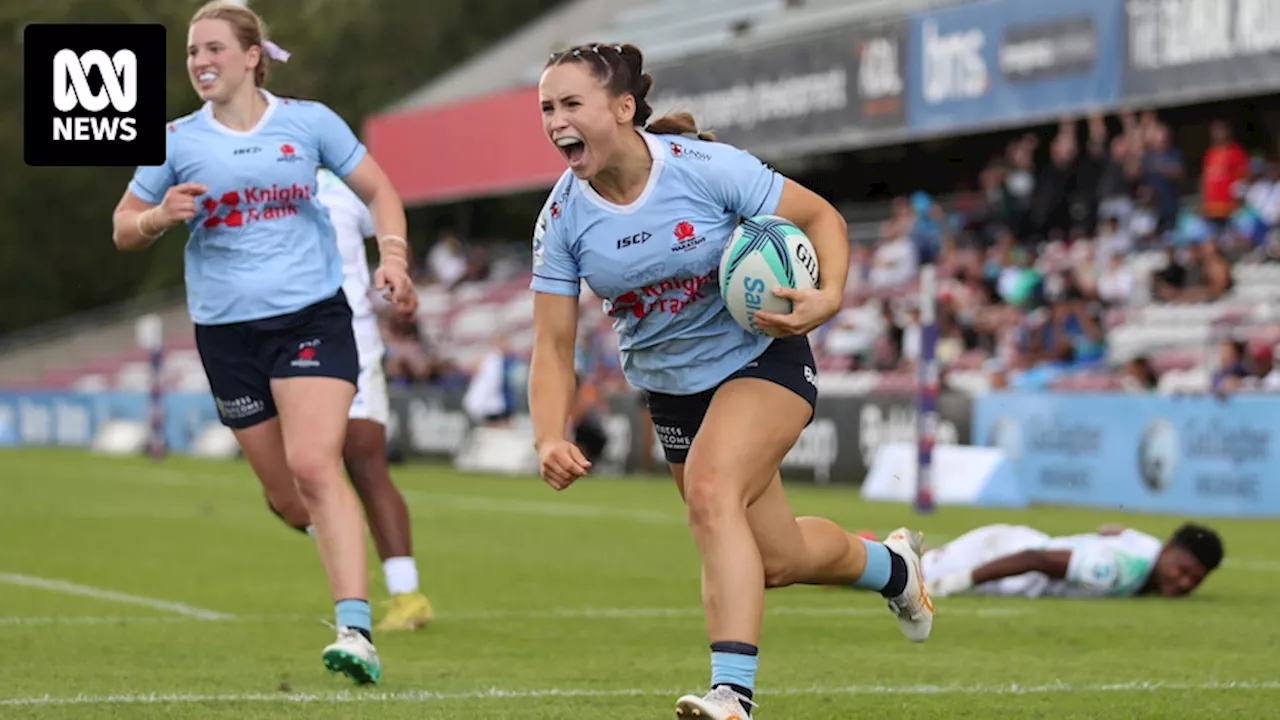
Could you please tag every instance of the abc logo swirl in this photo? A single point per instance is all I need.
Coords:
(1158, 455)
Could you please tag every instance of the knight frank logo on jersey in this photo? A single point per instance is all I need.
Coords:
(94, 94)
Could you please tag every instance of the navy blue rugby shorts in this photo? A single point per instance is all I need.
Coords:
(240, 359)
(676, 418)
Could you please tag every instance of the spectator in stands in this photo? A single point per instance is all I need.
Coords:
(1231, 370)
(894, 262)
(490, 399)
(1117, 183)
(1144, 219)
(1225, 166)
(1113, 241)
(1140, 375)
(446, 262)
(1116, 284)
(407, 360)
(1261, 209)
(1205, 275)
(1051, 207)
(1163, 171)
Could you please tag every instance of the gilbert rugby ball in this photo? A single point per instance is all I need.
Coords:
(765, 252)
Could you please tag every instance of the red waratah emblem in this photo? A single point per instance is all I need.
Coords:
(684, 230)
(555, 210)
(307, 353)
(286, 149)
(676, 150)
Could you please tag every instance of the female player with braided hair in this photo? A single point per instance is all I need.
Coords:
(643, 215)
(264, 286)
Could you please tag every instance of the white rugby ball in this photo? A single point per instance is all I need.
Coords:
(765, 252)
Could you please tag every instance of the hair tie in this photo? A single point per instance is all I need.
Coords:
(595, 49)
(577, 52)
(618, 48)
(275, 52)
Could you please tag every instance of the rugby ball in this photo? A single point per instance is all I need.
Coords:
(765, 252)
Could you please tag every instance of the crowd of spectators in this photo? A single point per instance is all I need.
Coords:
(1038, 263)
(1052, 246)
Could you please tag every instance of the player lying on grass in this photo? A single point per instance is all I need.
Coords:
(1018, 561)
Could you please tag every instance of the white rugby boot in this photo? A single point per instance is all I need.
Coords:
(354, 656)
(913, 608)
(719, 704)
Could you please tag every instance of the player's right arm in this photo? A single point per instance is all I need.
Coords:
(555, 329)
(154, 202)
(1051, 563)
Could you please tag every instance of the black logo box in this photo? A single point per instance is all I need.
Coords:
(41, 42)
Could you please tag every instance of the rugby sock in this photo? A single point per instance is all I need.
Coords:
(356, 615)
(733, 664)
(401, 574)
(885, 572)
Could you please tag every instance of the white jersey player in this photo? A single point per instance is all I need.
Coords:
(365, 450)
(352, 224)
(1019, 561)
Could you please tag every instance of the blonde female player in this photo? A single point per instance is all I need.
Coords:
(727, 405)
(264, 284)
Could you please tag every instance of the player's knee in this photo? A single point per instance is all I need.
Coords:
(314, 473)
(708, 502)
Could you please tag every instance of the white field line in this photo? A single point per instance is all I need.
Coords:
(425, 696)
(69, 588)
(539, 508)
(1253, 565)
(546, 615)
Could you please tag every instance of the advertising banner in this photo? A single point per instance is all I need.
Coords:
(803, 94)
(1007, 61)
(1193, 49)
(1193, 456)
(71, 419)
(843, 439)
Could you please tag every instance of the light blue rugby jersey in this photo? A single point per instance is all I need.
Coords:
(655, 261)
(261, 242)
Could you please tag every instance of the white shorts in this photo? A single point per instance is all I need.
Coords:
(371, 401)
(982, 545)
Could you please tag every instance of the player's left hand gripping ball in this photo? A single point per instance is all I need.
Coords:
(393, 280)
(810, 308)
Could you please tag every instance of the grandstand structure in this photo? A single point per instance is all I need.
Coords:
(1178, 338)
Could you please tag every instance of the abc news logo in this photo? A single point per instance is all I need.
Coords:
(95, 95)
(71, 91)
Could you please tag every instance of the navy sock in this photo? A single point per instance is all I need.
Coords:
(355, 614)
(733, 664)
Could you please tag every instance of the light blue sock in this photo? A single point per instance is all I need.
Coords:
(734, 664)
(879, 568)
(354, 614)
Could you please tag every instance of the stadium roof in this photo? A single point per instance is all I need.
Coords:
(505, 65)
(475, 131)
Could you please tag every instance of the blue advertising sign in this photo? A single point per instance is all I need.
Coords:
(71, 419)
(1004, 61)
(1191, 456)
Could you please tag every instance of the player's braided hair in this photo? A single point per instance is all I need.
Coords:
(620, 68)
(1203, 543)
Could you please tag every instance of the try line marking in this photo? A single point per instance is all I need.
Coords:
(425, 696)
(545, 615)
(69, 588)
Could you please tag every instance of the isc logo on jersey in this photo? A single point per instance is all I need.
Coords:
(71, 92)
(765, 252)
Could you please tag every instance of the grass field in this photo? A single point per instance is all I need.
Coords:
(133, 590)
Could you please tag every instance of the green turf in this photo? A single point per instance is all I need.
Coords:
(551, 606)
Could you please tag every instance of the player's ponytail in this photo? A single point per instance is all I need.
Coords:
(620, 68)
(679, 123)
